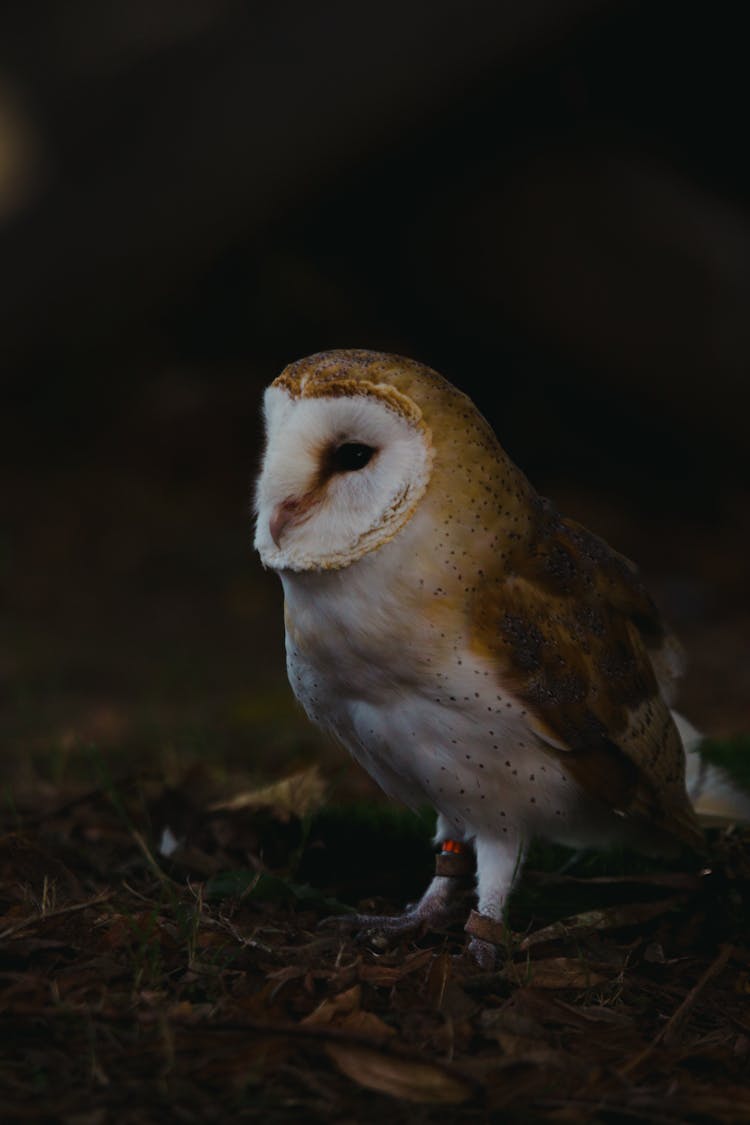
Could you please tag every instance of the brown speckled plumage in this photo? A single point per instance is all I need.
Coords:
(570, 625)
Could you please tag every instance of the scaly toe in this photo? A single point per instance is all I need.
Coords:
(372, 923)
(389, 924)
(337, 922)
(484, 953)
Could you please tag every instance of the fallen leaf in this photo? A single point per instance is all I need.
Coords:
(510, 1019)
(335, 1006)
(368, 1026)
(613, 917)
(297, 796)
(558, 972)
(597, 1013)
(388, 975)
(182, 1010)
(522, 1049)
(402, 1078)
(344, 1011)
(282, 976)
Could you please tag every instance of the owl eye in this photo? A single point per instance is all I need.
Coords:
(350, 457)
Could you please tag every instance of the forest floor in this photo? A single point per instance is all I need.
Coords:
(138, 986)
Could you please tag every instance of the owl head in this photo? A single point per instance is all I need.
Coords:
(354, 440)
(347, 459)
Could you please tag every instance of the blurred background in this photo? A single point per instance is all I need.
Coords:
(548, 202)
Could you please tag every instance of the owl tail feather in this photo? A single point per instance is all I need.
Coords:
(718, 801)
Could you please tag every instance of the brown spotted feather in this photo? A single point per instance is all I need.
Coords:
(570, 625)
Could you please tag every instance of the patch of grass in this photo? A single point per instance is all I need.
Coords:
(732, 754)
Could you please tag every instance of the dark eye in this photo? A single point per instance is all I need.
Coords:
(350, 456)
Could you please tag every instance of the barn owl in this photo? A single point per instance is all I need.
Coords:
(469, 646)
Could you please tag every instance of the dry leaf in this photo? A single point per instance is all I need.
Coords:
(388, 975)
(297, 796)
(512, 1020)
(333, 1009)
(613, 917)
(402, 1078)
(367, 1025)
(559, 972)
(521, 1049)
(344, 1011)
(597, 1013)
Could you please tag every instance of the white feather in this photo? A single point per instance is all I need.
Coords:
(715, 797)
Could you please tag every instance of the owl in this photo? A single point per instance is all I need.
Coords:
(468, 645)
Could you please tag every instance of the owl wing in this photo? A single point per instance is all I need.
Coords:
(576, 638)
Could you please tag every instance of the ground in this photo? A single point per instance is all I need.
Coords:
(198, 986)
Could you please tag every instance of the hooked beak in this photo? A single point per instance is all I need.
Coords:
(287, 512)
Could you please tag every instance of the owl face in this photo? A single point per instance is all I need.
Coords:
(342, 473)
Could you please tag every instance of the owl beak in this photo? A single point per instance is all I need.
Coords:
(283, 515)
(292, 510)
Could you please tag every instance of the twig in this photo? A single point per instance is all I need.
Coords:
(667, 1032)
(247, 942)
(36, 918)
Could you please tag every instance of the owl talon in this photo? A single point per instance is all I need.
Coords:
(382, 931)
(368, 924)
(484, 953)
(433, 911)
(408, 922)
(393, 925)
(339, 921)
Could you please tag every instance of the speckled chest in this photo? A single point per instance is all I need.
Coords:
(429, 730)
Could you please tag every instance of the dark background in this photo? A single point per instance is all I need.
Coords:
(548, 202)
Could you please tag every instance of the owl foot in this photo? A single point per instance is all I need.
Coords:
(488, 937)
(432, 912)
(484, 953)
(381, 930)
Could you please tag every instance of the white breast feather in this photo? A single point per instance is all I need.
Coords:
(439, 734)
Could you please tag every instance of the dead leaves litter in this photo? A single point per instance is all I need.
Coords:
(401, 1078)
(199, 980)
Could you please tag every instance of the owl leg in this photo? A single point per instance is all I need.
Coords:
(453, 867)
(498, 863)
